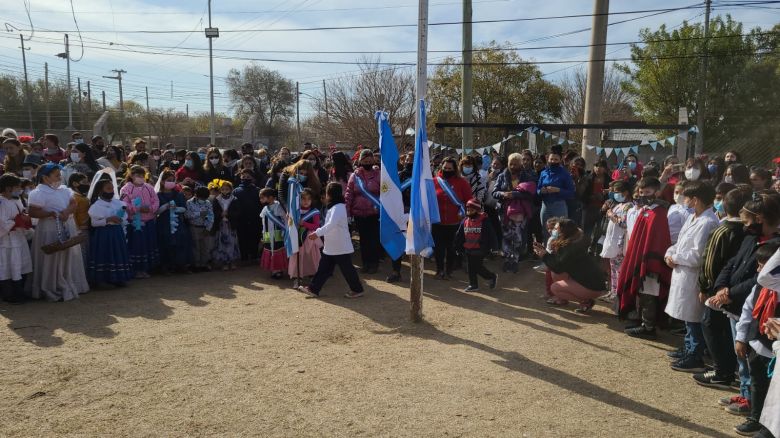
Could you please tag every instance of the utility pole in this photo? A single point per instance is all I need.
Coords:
(325, 93)
(298, 112)
(171, 89)
(701, 97)
(81, 107)
(148, 119)
(465, 85)
(118, 77)
(46, 93)
(66, 57)
(594, 91)
(188, 126)
(27, 85)
(89, 98)
(104, 100)
(416, 261)
(211, 33)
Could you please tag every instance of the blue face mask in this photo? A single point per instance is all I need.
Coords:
(619, 198)
(468, 170)
(718, 206)
(202, 156)
(302, 178)
(554, 234)
(632, 165)
(486, 162)
(713, 168)
(188, 164)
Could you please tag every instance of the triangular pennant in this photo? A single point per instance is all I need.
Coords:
(561, 140)
(626, 151)
(694, 129)
(497, 147)
(570, 141)
(672, 140)
(547, 135)
(635, 149)
(459, 151)
(644, 143)
(599, 150)
(654, 145)
(590, 148)
(608, 151)
(430, 143)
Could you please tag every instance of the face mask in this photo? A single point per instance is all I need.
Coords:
(408, 166)
(302, 178)
(554, 234)
(246, 181)
(226, 195)
(56, 184)
(680, 200)
(17, 193)
(75, 157)
(754, 229)
(718, 206)
(83, 188)
(79, 141)
(27, 174)
(214, 161)
(645, 200)
(313, 163)
(632, 165)
(367, 166)
(472, 214)
(107, 196)
(692, 174)
(169, 185)
(27, 191)
(728, 179)
(232, 163)
(448, 173)
(202, 156)
(713, 169)
(620, 198)
(138, 180)
(553, 165)
(468, 170)
(188, 164)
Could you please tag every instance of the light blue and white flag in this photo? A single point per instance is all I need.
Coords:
(424, 210)
(392, 220)
(294, 190)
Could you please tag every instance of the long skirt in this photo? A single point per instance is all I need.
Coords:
(309, 258)
(59, 276)
(109, 261)
(274, 260)
(15, 262)
(226, 248)
(142, 246)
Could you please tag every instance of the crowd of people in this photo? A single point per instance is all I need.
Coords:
(688, 246)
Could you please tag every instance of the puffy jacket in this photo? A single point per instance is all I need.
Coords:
(448, 211)
(358, 205)
(504, 184)
(556, 176)
(740, 273)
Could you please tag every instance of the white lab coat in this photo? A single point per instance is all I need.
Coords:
(687, 253)
(335, 230)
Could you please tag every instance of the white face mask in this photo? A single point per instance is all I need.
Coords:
(75, 157)
(27, 174)
(214, 161)
(728, 179)
(680, 200)
(692, 174)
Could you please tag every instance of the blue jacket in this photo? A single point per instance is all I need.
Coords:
(556, 176)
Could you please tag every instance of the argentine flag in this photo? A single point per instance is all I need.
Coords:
(293, 215)
(424, 210)
(392, 220)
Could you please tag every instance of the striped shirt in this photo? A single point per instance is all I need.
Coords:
(723, 244)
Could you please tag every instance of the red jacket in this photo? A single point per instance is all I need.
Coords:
(358, 205)
(183, 172)
(448, 211)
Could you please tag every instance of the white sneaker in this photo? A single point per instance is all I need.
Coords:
(541, 268)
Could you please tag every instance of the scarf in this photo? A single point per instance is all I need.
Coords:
(765, 308)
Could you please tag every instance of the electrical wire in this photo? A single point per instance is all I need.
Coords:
(79, 31)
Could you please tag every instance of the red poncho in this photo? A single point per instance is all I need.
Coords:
(645, 255)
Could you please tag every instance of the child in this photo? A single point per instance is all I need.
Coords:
(173, 235)
(79, 186)
(548, 279)
(109, 261)
(550, 225)
(720, 193)
(649, 234)
(752, 341)
(614, 246)
(142, 204)
(187, 192)
(15, 260)
(685, 258)
(226, 251)
(678, 212)
(338, 246)
(200, 215)
(248, 224)
(274, 258)
(304, 264)
(477, 238)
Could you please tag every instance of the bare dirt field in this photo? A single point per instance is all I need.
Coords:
(237, 354)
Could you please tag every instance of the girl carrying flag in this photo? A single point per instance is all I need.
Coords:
(274, 258)
(305, 262)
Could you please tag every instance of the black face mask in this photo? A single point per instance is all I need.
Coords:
(553, 165)
(645, 200)
(448, 173)
(106, 196)
(83, 189)
(408, 167)
(246, 182)
(754, 228)
(367, 166)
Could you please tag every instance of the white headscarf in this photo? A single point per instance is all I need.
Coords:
(96, 178)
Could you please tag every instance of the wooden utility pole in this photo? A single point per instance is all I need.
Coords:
(89, 98)
(148, 120)
(46, 93)
(325, 94)
(81, 107)
(298, 112)
(465, 84)
(594, 91)
(682, 136)
(121, 101)
(701, 97)
(27, 85)
(104, 100)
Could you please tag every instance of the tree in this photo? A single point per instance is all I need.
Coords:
(506, 89)
(167, 123)
(258, 90)
(349, 115)
(742, 81)
(616, 105)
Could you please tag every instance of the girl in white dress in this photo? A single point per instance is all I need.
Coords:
(58, 276)
(15, 261)
(109, 260)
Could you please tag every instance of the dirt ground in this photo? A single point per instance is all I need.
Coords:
(238, 354)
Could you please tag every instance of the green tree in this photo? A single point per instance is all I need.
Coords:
(506, 89)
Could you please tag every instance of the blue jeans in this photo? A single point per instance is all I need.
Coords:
(744, 371)
(551, 210)
(694, 340)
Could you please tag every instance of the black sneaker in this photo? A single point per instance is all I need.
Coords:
(492, 283)
(393, 278)
(641, 332)
(749, 428)
(471, 289)
(711, 379)
(689, 365)
(676, 354)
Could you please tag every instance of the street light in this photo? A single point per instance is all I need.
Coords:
(66, 56)
(211, 33)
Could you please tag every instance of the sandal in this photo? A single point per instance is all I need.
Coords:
(585, 306)
(556, 302)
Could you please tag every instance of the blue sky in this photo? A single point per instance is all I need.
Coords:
(107, 21)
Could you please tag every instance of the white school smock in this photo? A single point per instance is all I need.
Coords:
(335, 230)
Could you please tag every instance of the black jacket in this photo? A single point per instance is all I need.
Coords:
(740, 273)
(573, 259)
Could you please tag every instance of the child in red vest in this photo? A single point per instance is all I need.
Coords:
(477, 239)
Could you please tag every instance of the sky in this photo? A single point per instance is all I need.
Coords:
(124, 35)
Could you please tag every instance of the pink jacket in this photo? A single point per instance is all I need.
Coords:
(358, 205)
(148, 199)
(522, 206)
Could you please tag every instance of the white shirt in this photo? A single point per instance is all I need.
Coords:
(677, 216)
(102, 210)
(9, 209)
(335, 230)
(769, 277)
(50, 199)
(743, 326)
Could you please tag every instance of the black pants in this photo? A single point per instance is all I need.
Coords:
(12, 291)
(720, 342)
(397, 264)
(325, 270)
(648, 310)
(249, 240)
(759, 383)
(368, 231)
(443, 238)
(495, 222)
(476, 267)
